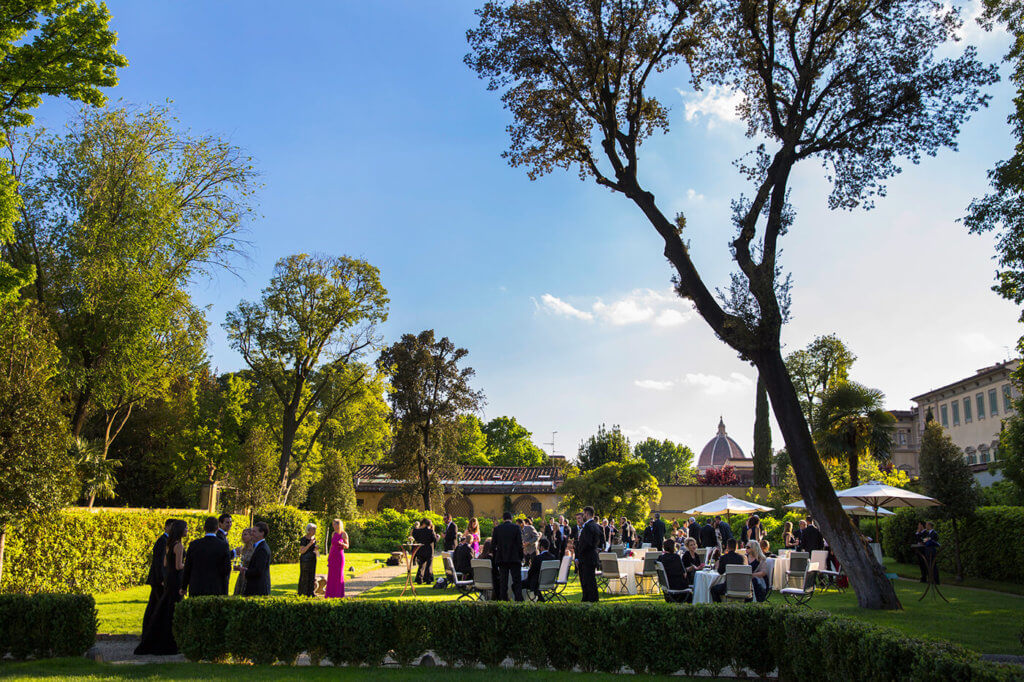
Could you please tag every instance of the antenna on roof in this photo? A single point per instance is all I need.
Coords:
(552, 443)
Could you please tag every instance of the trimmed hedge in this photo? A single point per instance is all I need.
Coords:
(81, 551)
(798, 643)
(982, 538)
(384, 532)
(287, 525)
(46, 625)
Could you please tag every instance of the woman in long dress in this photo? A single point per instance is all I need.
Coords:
(307, 561)
(474, 535)
(158, 640)
(243, 561)
(336, 560)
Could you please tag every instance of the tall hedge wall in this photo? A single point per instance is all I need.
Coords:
(385, 531)
(46, 625)
(987, 545)
(798, 643)
(79, 551)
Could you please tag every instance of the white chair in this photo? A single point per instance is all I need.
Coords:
(802, 594)
(797, 567)
(676, 595)
(618, 550)
(826, 577)
(611, 570)
(562, 581)
(547, 580)
(645, 545)
(465, 587)
(707, 555)
(650, 572)
(483, 579)
(738, 582)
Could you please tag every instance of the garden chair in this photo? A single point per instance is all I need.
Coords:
(611, 570)
(827, 578)
(547, 580)
(465, 587)
(618, 550)
(738, 583)
(562, 581)
(685, 594)
(650, 573)
(707, 555)
(483, 579)
(798, 562)
(802, 594)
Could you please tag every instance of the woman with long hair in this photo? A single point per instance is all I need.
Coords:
(758, 569)
(789, 541)
(307, 562)
(336, 560)
(158, 640)
(474, 531)
(243, 560)
(425, 537)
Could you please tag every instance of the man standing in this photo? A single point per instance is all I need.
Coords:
(574, 532)
(723, 529)
(708, 537)
(591, 537)
(810, 537)
(451, 533)
(224, 523)
(694, 529)
(658, 528)
(257, 576)
(507, 548)
(155, 579)
(207, 564)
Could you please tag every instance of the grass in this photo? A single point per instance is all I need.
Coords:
(913, 572)
(986, 622)
(80, 669)
(120, 613)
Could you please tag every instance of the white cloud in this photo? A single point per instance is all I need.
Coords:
(671, 317)
(712, 384)
(559, 307)
(715, 103)
(977, 342)
(694, 195)
(628, 310)
(654, 384)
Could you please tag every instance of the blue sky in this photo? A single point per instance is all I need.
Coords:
(375, 141)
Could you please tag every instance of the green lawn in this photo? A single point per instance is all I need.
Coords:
(986, 622)
(121, 612)
(913, 572)
(81, 669)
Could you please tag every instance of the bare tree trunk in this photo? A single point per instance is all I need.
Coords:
(92, 499)
(873, 589)
(854, 473)
(288, 429)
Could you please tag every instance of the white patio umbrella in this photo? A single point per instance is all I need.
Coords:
(851, 509)
(875, 495)
(728, 505)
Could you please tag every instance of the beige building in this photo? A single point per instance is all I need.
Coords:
(906, 444)
(972, 411)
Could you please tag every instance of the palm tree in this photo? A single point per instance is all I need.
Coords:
(94, 469)
(851, 421)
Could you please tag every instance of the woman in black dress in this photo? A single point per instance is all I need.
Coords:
(158, 640)
(307, 561)
(425, 537)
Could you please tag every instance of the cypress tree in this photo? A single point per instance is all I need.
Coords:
(762, 437)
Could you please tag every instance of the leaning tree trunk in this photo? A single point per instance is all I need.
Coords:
(873, 589)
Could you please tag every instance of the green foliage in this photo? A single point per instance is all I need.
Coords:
(354, 632)
(286, 525)
(384, 532)
(1002, 493)
(80, 551)
(509, 444)
(604, 447)
(46, 625)
(94, 470)
(852, 423)
(429, 393)
(333, 495)
(667, 461)
(470, 441)
(614, 489)
(1011, 438)
(818, 368)
(762, 436)
(36, 473)
(982, 537)
(945, 474)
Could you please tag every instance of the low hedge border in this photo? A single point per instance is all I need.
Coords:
(798, 644)
(46, 625)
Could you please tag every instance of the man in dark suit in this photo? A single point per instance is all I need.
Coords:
(155, 579)
(207, 563)
(257, 575)
(674, 570)
(693, 529)
(462, 558)
(810, 538)
(574, 532)
(723, 530)
(533, 576)
(708, 538)
(658, 530)
(730, 557)
(451, 533)
(224, 523)
(507, 548)
(591, 538)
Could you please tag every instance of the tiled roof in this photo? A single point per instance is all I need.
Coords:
(472, 479)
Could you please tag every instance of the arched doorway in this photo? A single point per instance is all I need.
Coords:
(459, 506)
(527, 505)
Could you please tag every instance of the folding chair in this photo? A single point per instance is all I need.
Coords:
(618, 550)
(802, 594)
(668, 591)
(827, 578)
(562, 581)
(650, 573)
(483, 579)
(738, 583)
(611, 570)
(465, 587)
(798, 562)
(547, 580)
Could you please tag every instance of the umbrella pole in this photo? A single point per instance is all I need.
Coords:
(878, 538)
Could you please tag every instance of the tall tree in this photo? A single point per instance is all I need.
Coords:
(471, 442)
(762, 436)
(303, 340)
(851, 423)
(428, 393)
(946, 477)
(603, 447)
(668, 462)
(823, 364)
(120, 215)
(50, 48)
(614, 489)
(509, 444)
(95, 470)
(853, 84)
(36, 473)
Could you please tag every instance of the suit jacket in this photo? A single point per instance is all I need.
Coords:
(207, 567)
(426, 537)
(591, 538)
(533, 576)
(462, 560)
(450, 536)
(728, 558)
(658, 528)
(694, 530)
(507, 543)
(156, 566)
(674, 570)
(707, 536)
(574, 533)
(257, 576)
(811, 540)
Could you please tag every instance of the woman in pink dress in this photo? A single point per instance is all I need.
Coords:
(474, 535)
(336, 560)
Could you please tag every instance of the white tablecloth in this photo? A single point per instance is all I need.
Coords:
(702, 583)
(634, 567)
(778, 569)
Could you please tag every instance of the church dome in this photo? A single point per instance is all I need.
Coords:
(719, 450)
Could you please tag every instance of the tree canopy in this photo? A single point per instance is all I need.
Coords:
(603, 447)
(824, 363)
(668, 462)
(509, 444)
(613, 489)
(851, 423)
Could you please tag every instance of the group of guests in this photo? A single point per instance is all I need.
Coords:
(681, 564)
(926, 542)
(309, 552)
(204, 569)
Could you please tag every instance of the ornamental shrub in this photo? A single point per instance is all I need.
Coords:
(795, 643)
(286, 525)
(46, 625)
(83, 551)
